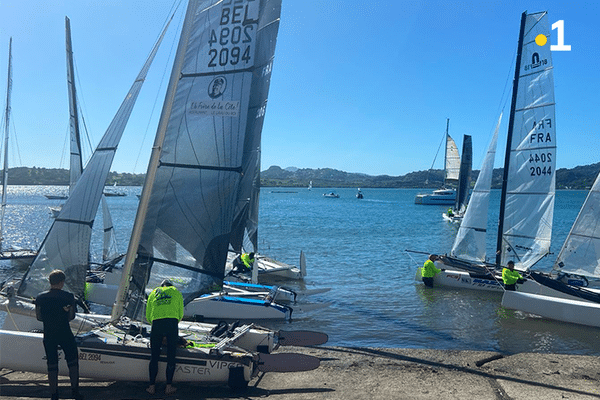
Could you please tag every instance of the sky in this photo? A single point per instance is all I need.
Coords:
(358, 86)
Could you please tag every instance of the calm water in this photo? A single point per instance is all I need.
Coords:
(357, 248)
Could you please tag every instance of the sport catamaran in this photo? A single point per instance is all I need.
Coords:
(528, 188)
(176, 226)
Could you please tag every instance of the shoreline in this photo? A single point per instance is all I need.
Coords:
(368, 373)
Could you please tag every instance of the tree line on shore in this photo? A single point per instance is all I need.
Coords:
(580, 177)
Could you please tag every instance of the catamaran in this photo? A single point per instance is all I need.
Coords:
(238, 91)
(464, 182)
(528, 188)
(575, 276)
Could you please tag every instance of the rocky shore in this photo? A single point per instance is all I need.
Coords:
(368, 373)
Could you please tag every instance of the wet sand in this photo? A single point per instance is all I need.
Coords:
(368, 373)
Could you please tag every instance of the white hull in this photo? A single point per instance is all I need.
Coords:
(566, 310)
(218, 306)
(454, 218)
(104, 358)
(439, 197)
(21, 317)
(464, 280)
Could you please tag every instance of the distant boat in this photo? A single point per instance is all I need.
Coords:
(310, 185)
(56, 196)
(451, 171)
(113, 192)
(333, 195)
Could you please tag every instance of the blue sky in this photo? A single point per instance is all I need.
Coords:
(360, 86)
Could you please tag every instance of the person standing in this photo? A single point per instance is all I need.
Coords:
(55, 308)
(510, 276)
(429, 270)
(164, 310)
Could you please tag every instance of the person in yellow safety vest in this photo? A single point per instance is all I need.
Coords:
(429, 270)
(248, 260)
(450, 213)
(510, 276)
(164, 310)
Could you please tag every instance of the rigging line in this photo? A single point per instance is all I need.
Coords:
(80, 102)
(158, 96)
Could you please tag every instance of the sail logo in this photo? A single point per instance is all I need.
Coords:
(215, 108)
(217, 87)
(535, 62)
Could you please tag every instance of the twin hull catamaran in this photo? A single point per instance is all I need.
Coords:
(171, 211)
(527, 199)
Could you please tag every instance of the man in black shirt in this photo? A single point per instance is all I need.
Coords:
(55, 308)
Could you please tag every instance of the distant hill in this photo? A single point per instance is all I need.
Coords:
(581, 177)
(59, 176)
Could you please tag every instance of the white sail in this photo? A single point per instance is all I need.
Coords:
(470, 242)
(214, 107)
(580, 253)
(452, 160)
(109, 247)
(530, 187)
(67, 244)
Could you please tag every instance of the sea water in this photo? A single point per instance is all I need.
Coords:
(358, 249)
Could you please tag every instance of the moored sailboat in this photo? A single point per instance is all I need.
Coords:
(445, 195)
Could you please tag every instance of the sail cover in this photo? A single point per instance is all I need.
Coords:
(580, 253)
(213, 112)
(67, 244)
(464, 178)
(470, 240)
(452, 160)
(527, 226)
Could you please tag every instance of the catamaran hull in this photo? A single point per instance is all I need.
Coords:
(232, 308)
(21, 317)
(465, 280)
(105, 361)
(566, 310)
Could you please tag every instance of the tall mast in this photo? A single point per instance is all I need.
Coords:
(121, 298)
(511, 123)
(446, 152)
(6, 130)
(76, 166)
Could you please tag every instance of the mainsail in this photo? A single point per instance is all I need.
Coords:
(527, 202)
(470, 240)
(580, 253)
(67, 244)
(451, 161)
(464, 177)
(213, 112)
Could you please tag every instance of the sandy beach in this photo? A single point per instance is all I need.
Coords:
(368, 373)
